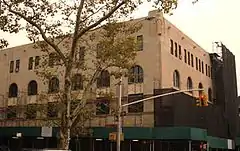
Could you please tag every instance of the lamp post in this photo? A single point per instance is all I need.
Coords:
(119, 124)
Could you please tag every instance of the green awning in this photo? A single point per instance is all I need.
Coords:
(216, 142)
(184, 133)
(237, 141)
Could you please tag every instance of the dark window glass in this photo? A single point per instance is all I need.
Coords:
(17, 66)
(196, 63)
(135, 75)
(102, 106)
(53, 86)
(13, 90)
(140, 42)
(32, 88)
(192, 60)
(135, 108)
(188, 55)
(30, 63)
(185, 55)
(11, 66)
(176, 49)
(37, 62)
(77, 82)
(171, 46)
(180, 52)
(104, 79)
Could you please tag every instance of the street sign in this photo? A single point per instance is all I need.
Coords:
(113, 136)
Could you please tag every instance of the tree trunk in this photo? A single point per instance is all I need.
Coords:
(63, 142)
(65, 119)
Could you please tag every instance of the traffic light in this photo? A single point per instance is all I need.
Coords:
(203, 99)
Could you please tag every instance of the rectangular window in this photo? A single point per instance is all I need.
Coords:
(11, 112)
(202, 67)
(180, 52)
(81, 54)
(171, 46)
(188, 55)
(52, 110)
(176, 49)
(206, 67)
(31, 112)
(185, 55)
(30, 63)
(196, 63)
(209, 74)
(17, 68)
(192, 61)
(102, 106)
(11, 66)
(53, 59)
(140, 42)
(199, 64)
(37, 62)
(136, 108)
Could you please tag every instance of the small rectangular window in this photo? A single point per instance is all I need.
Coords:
(102, 106)
(180, 52)
(52, 110)
(17, 68)
(188, 56)
(196, 63)
(176, 49)
(209, 74)
(202, 67)
(11, 112)
(171, 46)
(81, 54)
(206, 68)
(30, 63)
(199, 63)
(37, 62)
(192, 61)
(185, 55)
(11, 66)
(140, 42)
(136, 108)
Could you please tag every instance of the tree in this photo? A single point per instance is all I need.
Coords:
(59, 28)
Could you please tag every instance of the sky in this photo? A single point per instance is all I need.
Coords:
(204, 22)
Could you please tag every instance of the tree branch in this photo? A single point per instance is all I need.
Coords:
(75, 36)
(100, 20)
(55, 47)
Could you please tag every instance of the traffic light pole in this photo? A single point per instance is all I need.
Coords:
(120, 106)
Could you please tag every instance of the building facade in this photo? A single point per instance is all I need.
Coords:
(167, 60)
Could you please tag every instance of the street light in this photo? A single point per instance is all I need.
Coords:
(119, 124)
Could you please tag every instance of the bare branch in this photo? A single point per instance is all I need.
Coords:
(100, 20)
(55, 47)
(74, 42)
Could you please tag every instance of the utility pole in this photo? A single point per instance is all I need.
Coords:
(119, 126)
(119, 118)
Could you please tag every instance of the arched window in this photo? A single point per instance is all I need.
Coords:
(32, 88)
(136, 75)
(77, 82)
(176, 79)
(200, 86)
(13, 90)
(103, 79)
(189, 83)
(210, 94)
(53, 86)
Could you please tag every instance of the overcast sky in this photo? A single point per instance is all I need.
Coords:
(204, 22)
